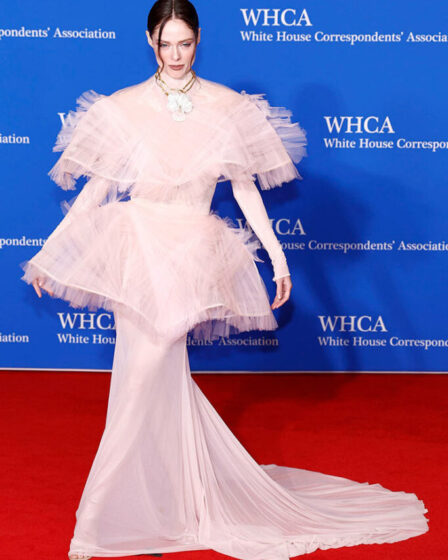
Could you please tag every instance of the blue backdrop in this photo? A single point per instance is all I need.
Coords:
(364, 232)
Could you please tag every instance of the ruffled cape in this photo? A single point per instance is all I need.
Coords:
(244, 138)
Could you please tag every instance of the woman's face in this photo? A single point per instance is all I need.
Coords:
(177, 47)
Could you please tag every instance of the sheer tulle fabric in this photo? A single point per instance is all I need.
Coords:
(169, 475)
(174, 269)
(140, 240)
(228, 136)
(164, 242)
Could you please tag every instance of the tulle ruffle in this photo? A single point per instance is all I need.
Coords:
(268, 141)
(290, 133)
(95, 140)
(172, 270)
(128, 138)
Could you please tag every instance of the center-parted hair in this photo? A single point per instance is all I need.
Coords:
(164, 10)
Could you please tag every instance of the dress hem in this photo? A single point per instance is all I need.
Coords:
(296, 547)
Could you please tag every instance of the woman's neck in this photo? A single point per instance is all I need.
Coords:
(176, 83)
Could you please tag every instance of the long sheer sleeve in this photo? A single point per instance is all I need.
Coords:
(251, 203)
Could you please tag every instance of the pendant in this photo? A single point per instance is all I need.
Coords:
(179, 103)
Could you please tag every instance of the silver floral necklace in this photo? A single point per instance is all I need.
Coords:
(179, 102)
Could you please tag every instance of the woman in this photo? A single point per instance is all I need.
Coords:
(140, 240)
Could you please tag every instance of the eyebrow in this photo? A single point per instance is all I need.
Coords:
(188, 39)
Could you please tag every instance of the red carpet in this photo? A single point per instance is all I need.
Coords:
(390, 429)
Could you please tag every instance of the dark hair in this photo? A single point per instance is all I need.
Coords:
(164, 10)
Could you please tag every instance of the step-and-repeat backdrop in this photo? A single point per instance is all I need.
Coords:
(364, 232)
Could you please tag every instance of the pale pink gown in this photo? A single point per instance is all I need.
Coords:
(140, 240)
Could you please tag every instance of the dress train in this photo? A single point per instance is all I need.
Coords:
(169, 475)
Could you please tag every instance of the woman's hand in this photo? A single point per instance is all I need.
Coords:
(284, 286)
(37, 285)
